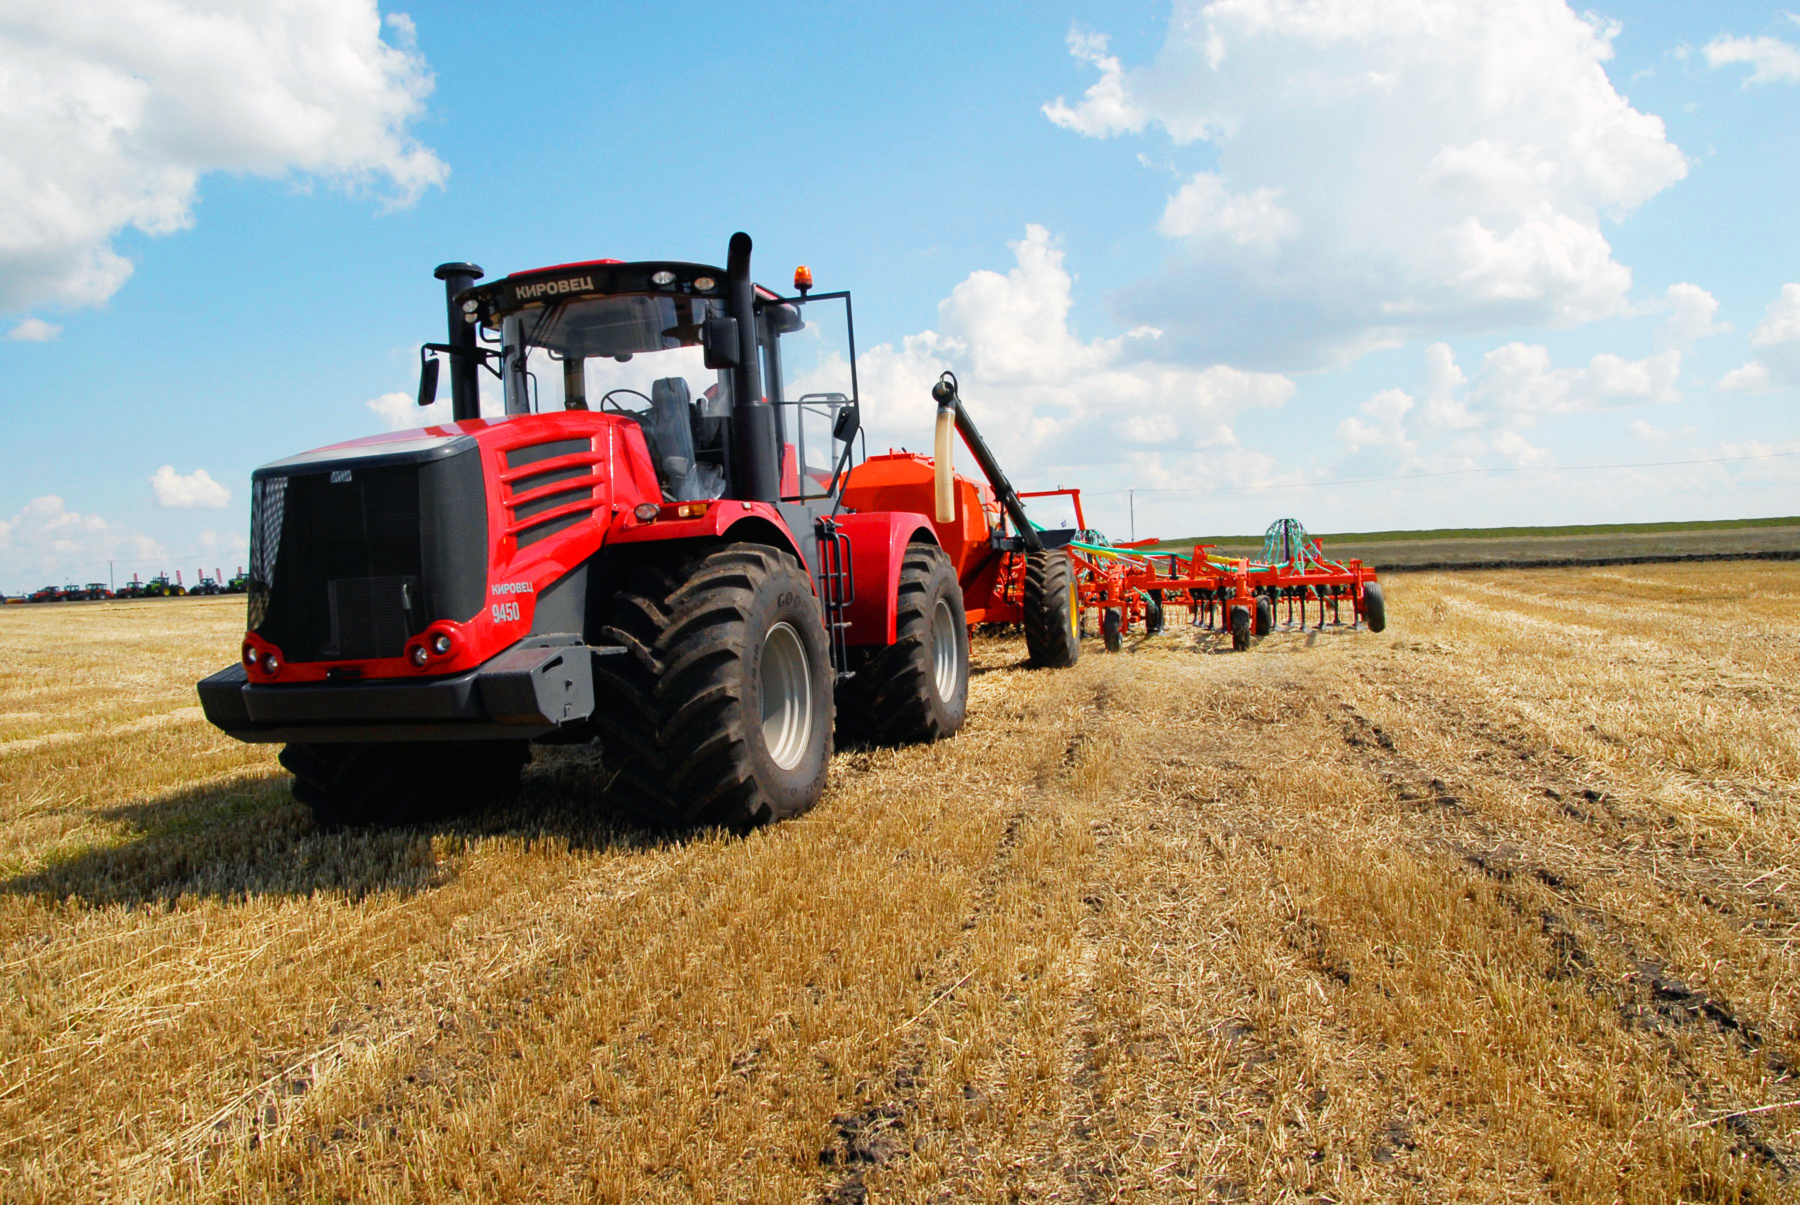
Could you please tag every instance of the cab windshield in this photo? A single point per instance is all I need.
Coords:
(631, 354)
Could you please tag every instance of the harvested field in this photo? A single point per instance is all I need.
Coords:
(1496, 905)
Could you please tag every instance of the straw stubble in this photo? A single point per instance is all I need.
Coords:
(1494, 905)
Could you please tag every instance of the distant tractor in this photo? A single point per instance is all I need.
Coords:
(130, 589)
(161, 587)
(239, 583)
(204, 585)
(96, 592)
(46, 594)
(654, 546)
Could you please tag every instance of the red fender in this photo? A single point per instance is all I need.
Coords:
(754, 522)
(877, 547)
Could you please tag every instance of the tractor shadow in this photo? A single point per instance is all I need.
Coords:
(248, 838)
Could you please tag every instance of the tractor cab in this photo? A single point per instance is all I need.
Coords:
(660, 343)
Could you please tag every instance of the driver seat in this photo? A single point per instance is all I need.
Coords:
(669, 432)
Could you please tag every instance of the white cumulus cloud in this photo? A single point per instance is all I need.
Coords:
(1777, 343)
(1518, 379)
(1204, 209)
(1772, 61)
(112, 110)
(1691, 310)
(1385, 170)
(400, 411)
(1047, 399)
(1105, 108)
(193, 491)
(47, 543)
(33, 330)
(1387, 410)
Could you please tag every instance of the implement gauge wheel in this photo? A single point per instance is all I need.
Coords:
(1153, 613)
(401, 782)
(1053, 618)
(719, 711)
(1112, 628)
(1374, 607)
(1240, 629)
(1265, 615)
(915, 690)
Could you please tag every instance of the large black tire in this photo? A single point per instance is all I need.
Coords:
(1240, 628)
(915, 690)
(1112, 628)
(719, 711)
(1265, 615)
(383, 783)
(1052, 610)
(1374, 607)
(1153, 613)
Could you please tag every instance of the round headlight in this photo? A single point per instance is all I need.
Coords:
(249, 654)
(440, 644)
(704, 283)
(270, 664)
(419, 655)
(471, 305)
(664, 278)
(646, 511)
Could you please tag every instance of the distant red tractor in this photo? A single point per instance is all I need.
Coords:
(660, 544)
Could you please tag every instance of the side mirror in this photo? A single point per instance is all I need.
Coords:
(784, 318)
(719, 336)
(848, 421)
(428, 377)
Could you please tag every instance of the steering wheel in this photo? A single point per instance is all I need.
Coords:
(608, 397)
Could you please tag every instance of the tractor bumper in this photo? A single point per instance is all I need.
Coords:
(523, 694)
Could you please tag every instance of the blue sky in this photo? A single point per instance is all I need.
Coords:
(1369, 263)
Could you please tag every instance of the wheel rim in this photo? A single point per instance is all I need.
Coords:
(784, 675)
(1074, 612)
(944, 649)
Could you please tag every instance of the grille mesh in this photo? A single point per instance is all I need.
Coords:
(267, 503)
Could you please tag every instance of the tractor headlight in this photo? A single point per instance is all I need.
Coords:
(440, 644)
(663, 278)
(419, 655)
(270, 664)
(704, 283)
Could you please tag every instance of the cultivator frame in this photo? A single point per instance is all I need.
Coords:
(1128, 585)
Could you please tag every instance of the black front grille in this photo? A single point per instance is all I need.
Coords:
(352, 556)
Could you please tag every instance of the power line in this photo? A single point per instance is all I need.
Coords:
(1523, 468)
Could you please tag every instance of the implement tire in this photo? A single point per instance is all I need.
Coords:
(1112, 628)
(386, 783)
(719, 711)
(1265, 615)
(1240, 629)
(1052, 610)
(1374, 607)
(916, 690)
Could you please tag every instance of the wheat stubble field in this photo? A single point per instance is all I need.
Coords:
(1496, 905)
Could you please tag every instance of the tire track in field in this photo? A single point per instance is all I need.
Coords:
(1524, 869)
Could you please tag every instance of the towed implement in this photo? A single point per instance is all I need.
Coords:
(662, 544)
(1131, 584)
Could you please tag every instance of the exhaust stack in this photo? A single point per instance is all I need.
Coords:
(465, 379)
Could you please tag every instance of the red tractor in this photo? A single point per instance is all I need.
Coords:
(652, 547)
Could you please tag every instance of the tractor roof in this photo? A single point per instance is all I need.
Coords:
(596, 278)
